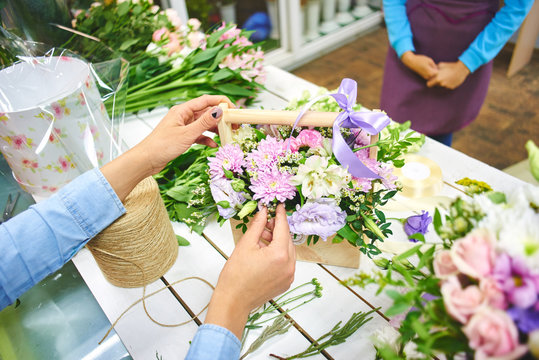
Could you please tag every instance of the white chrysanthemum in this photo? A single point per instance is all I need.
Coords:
(515, 223)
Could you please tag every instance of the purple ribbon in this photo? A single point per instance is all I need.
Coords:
(371, 121)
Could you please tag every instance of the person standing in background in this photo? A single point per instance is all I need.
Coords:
(439, 64)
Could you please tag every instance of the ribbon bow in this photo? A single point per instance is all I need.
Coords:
(371, 121)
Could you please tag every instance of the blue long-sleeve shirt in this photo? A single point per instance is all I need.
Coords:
(484, 48)
(43, 238)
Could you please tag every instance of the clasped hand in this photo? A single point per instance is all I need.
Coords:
(444, 74)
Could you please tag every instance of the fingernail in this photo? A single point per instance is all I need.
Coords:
(217, 113)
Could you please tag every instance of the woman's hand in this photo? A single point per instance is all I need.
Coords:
(180, 128)
(450, 75)
(254, 273)
(423, 65)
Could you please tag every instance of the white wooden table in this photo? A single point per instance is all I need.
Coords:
(207, 254)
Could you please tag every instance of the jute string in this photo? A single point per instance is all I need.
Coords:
(139, 247)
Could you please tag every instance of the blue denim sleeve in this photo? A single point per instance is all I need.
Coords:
(214, 342)
(399, 30)
(495, 35)
(43, 238)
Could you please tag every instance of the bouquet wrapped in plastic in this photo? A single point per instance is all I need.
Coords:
(59, 116)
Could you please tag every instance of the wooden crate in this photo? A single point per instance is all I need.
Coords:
(324, 252)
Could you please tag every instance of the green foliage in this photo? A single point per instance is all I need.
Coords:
(337, 335)
(426, 323)
(184, 187)
(396, 141)
(277, 307)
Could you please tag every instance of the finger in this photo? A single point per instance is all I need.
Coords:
(204, 123)
(281, 232)
(432, 82)
(267, 235)
(204, 140)
(256, 227)
(206, 101)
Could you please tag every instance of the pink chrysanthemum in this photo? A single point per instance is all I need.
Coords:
(229, 157)
(383, 170)
(265, 157)
(272, 185)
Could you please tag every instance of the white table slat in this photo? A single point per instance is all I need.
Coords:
(202, 260)
(140, 335)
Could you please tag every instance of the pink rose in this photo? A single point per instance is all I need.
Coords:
(159, 34)
(443, 265)
(194, 40)
(174, 44)
(474, 254)
(310, 138)
(461, 303)
(492, 333)
(194, 24)
(493, 294)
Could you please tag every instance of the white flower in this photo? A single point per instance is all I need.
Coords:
(515, 223)
(320, 180)
(245, 132)
(194, 24)
(386, 336)
(173, 17)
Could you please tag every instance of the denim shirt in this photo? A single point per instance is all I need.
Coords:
(40, 240)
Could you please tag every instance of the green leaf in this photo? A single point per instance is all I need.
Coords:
(437, 221)
(380, 215)
(182, 241)
(205, 55)
(123, 8)
(347, 233)
(228, 174)
(259, 134)
(224, 204)
(128, 43)
(497, 197)
(231, 89)
(397, 308)
(417, 236)
(180, 193)
(222, 74)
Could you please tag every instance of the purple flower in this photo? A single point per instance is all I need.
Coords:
(417, 224)
(221, 190)
(527, 320)
(271, 186)
(229, 157)
(265, 157)
(320, 217)
(519, 284)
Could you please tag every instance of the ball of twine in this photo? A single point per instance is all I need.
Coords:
(140, 246)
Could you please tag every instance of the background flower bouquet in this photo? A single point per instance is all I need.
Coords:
(478, 294)
(328, 179)
(171, 62)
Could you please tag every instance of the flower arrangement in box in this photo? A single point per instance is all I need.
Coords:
(328, 179)
(478, 293)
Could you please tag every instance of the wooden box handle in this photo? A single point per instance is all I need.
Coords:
(275, 117)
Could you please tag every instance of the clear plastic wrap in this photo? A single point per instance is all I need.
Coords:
(59, 115)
